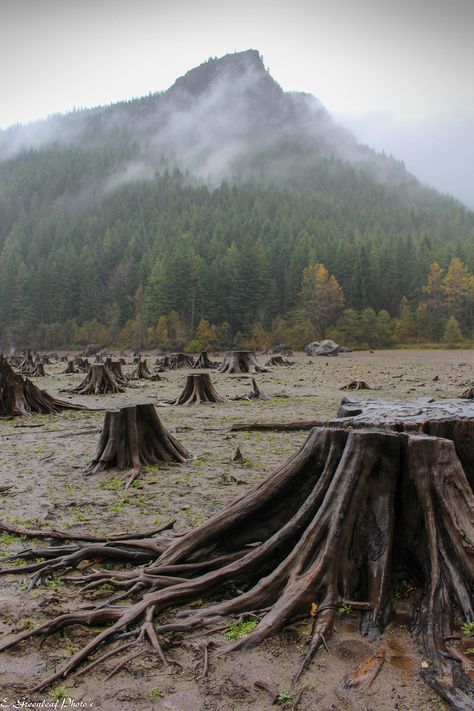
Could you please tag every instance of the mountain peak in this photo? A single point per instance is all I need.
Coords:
(235, 67)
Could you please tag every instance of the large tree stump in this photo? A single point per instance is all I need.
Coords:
(241, 362)
(197, 390)
(98, 381)
(348, 516)
(449, 419)
(115, 367)
(18, 396)
(134, 437)
(204, 362)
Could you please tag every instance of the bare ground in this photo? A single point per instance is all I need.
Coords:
(44, 459)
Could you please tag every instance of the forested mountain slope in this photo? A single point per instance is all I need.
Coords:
(131, 223)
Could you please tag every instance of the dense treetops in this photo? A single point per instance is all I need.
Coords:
(107, 240)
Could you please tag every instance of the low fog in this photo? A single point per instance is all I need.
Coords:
(228, 119)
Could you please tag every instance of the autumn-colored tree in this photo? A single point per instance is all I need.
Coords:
(162, 334)
(322, 298)
(405, 325)
(205, 337)
(458, 291)
(452, 332)
(258, 338)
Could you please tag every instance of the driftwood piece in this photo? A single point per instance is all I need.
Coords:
(197, 390)
(329, 527)
(98, 381)
(204, 362)
(276, 426)
(241, 362)
(19, 396)
(134, 437)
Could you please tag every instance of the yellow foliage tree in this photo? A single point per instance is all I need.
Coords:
(322, 298)
(205, 337)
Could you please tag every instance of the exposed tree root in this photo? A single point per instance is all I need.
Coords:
(329, 527)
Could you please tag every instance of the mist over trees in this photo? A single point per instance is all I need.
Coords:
(133, 229)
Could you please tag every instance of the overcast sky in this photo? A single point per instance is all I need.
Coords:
(399, 74)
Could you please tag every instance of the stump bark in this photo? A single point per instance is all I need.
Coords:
(38, 370)
(175, 361)
(204, 362)
(115, 367)
(18, 396)
(340, 523)
(99, 380)
(142, 372)
(241, 362)
(71, 368)
(198, 389)
(134, 437)
(278, 360)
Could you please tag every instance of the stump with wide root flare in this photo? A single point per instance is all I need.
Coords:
(18, 396)
(339, 523)
(241, 362)
(98, 381)
(197, 390)
(203, 362)
(134, 437)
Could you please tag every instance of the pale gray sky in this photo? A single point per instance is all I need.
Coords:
(400, 75)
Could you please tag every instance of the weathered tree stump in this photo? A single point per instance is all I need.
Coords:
(115, 367)
(204, 362)
(27, 364)
(241, 362)
(82, 363)
(18, 396)
(71, 368)
(142, 372)
(38, 370)
(98, 381)
(340, 523)
(134, 437)
(278, 360)
(197, 390)
(175, 361)
(468, 394)
(356, 385)
(256, 393)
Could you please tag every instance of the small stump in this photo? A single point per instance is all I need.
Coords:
(204, 362)
(198, 389)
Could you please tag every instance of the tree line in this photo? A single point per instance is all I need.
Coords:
(164, 261)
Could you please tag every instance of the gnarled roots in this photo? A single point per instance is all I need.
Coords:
(328, 527)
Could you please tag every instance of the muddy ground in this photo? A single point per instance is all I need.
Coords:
(44, 459)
